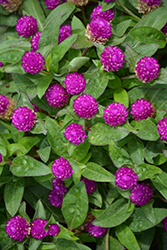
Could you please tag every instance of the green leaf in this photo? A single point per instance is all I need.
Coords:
(22, 82)
(15, 148)
(28, 166)
(145, 171)
(81, 150)
(28, 143)
(8, 20)
(145, 238)
(136, 150)
(44, 153)
(113, 243)
(62, 244)
(107, 6)
(149, 211)
(13, 194)
(132, 57)
(34, 244)
(77, 63)
(40, 211)
(72, 210)
(149, 130)
(121, 96)
(11, 56)
(153, 149)
(115, 83)
(95, 172)
(159, 181)
(43, 84)
(127, 237)
(2, 147)
(22, 211)
(121, 27)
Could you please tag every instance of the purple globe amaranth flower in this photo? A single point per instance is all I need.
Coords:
(0, 158)
(23, 118)
(59, 187)
(164, 29)
(38, 229)
(95, 231)
(98, 30)
(53, 229)
(146, 6)
(89, 184)
(61, 168)
(65, 31)
(26, 26)
(115, 114)
(7, 105)
(108, 1)
(35, 41)
(4, 102)
(112, 58)
(56, 96)
(11, 5)
(108, 15)
(32, 62)
(85, 106)
(74, 133)
(55, 199)
(152, 2)
(79, 2)
(52, 4)
(125, 178)
(142, 109)
(141, 194)
(164, 222)
(75, 83)
(1, 64)
(162, 129)
(17, 228)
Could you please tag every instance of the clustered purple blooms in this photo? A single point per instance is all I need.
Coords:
(108, 15)
(35, 41)
(115, 114)
(89, 184)
(151, 2)
(4, 102)
(147, 69)
(26, 26)
(56, 194)
(125, 178)
(1, 64)
(108, 1)
(85, 106)
(141, 194)
(162, 129)
(95, 231)
(37, 229)
(65, 31)
(23, 118)
(164, 222)
(75, 83)
(112, 58)
(53, 229)
(32, 62)
(52, 4)
(56, 96)
(61, 168)
(75, 134)
(142, 109)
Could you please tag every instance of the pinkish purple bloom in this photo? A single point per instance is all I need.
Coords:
(142, 109)
(151, 2)
(1, 64)
(162, 129)
(85, 106)
(17, 228)
(108, 15)
(65, 31)
(23, 118)
(26, 26)
(53, 229)
(147, 69)
(75, 134)
(56, 96)
(52, 4)
(164, 222)
(32, 62)
(115, 114)
(61, 168)
(125, 178)
(75, 83)
(59, 187)
(89, 184)
(4, 102)
(55, 199)
(141, 194)
(108, 1)
(35, 41)
(38, 229)
(95, 231)
(112, 58)
(0, 158)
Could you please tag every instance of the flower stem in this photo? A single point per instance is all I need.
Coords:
(107, 238)
(130, 13)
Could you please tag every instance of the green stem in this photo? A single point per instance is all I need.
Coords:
(128, 77)
(107, 238)
(130, 13)
(45, 72)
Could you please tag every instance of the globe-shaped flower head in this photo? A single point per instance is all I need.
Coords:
(23, 118)
(164, 222)
(35, 41)
(55, 199)
(141, 194)
(59, 187)
(52, 4)
(74, 133)
(95, 231)
(1, 64)
(125, 178)
(75, 83)
(89, 184)
(32, 62)
(4, 102)
(11, 5)
(85, 106)
(7, 105)
(97, 12)
(98, 30)
(146, 6)
(112, 58)
(162, 129)
(17, 228)
(61, 168)
(65, 31)
(38, 229)
(53, 229)
(26, 26)
(142, 109)
(115, 114)
(147, 69)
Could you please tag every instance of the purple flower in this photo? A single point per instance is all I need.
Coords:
(112, 58)
(56, 96)
(52, 4)
(164, 29)
(75, 83)
(164, 222)
(35, 41)
(141, 194)
(162, 129)
(95, 231)
(108, 15)
(1, 64)
(85, 106)
(115, 114)
(59, 187)
(146, 6)
(61, 168)
(108, 1)
(53, 229)
(142, 109)
(23, 118)
(26, 26)
(4, 102)
(7, 105)
(11, 5)
(89, 184)
(37, 229)
(147, 69)
(0, 158)
(65, 31)
(125, 178)
(74, 133)
(55, 199)
(98, 30)
(17, 228)
(151, 2)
